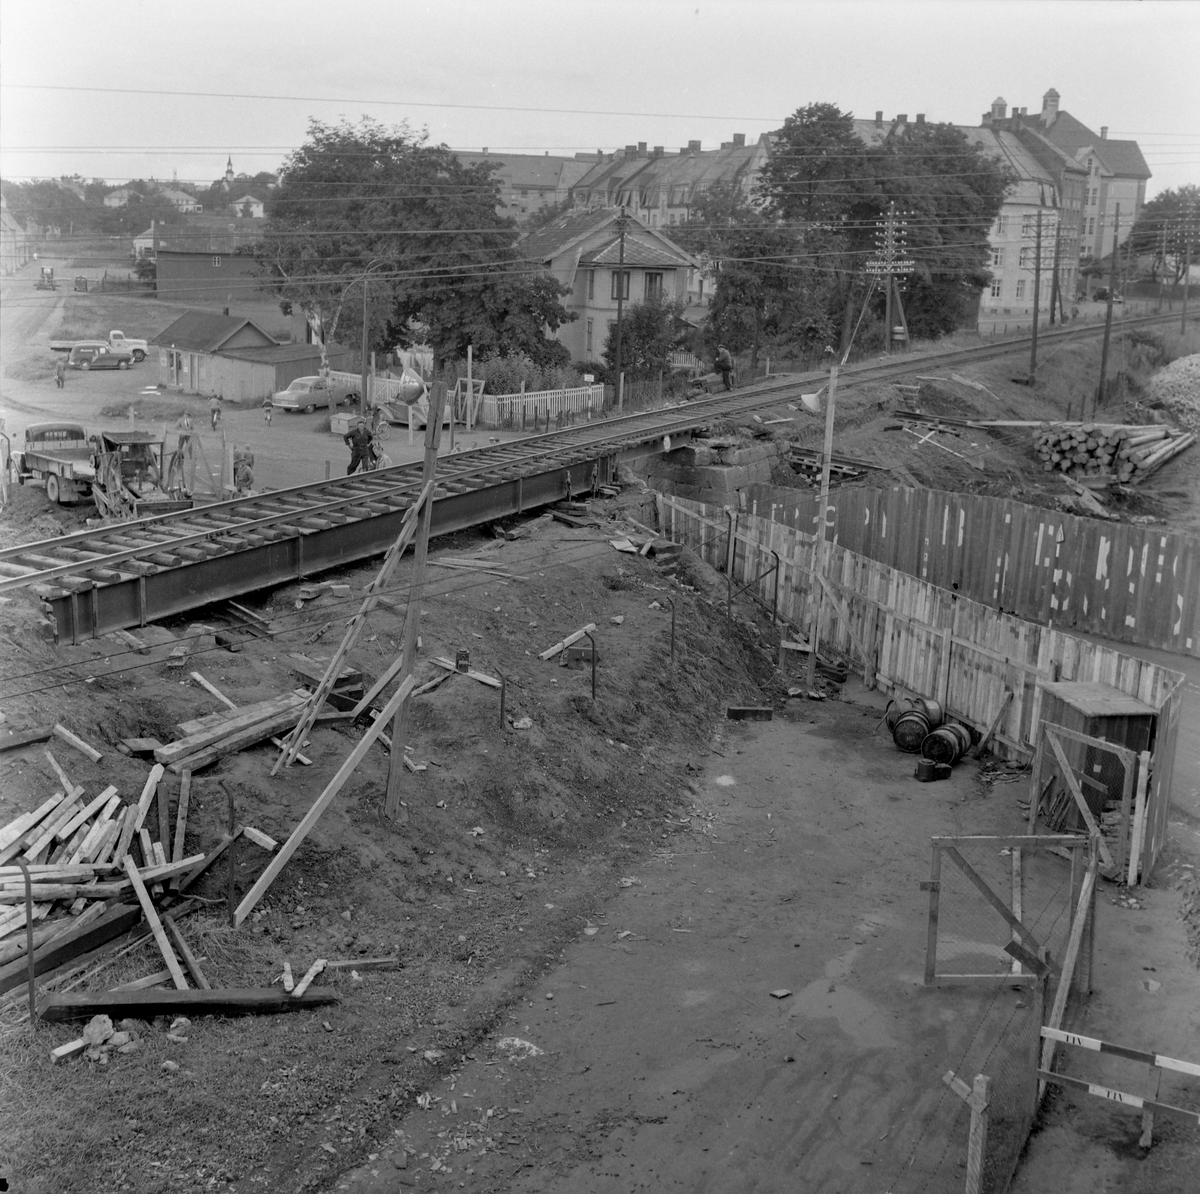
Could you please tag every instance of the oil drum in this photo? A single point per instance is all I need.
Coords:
(910, 730)
(934, 711)
(896, 708)
(946, 744)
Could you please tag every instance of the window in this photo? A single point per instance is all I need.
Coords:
(1020, 289)
(672, 217)
(1001, 225)
(1027, 225)
(1026, 258)
(216, 263)
(996, 288)
(997, 257)
(1092, 195)
(654, 286)
(590, 328)
(620, 278)
(1091, 226)
(591, 284)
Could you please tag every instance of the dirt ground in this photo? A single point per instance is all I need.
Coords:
(759, 858)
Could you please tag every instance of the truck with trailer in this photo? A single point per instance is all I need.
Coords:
(117, 342)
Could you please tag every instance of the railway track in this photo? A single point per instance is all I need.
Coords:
(128, 574)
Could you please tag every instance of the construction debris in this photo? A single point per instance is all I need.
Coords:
(145, 1005)
(550, 652)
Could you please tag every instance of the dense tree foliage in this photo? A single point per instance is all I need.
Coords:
(791, 259)
(365, 205)
(1168, 232)
(650, 332)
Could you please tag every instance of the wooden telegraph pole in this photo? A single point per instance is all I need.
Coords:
(412, 615)
(818, 567)
(889, 261)
(1112, 286)
(1037, 295)
(621, 222)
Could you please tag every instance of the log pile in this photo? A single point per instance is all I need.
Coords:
(1127, 453)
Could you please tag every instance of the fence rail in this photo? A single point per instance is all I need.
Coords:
(516, 410)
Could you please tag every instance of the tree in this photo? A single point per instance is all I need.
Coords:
(368, 206)
(1168, 231)
(650, 332)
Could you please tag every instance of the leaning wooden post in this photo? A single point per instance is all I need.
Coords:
(412, 615)
(976, 1097)
(814, 638)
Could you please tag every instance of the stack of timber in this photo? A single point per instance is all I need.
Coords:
(206, 739)
(77, 849)
(1125, 452)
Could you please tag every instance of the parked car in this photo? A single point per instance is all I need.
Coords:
(307, 393)
(1101, 296)
(95, 354)
(81, 283)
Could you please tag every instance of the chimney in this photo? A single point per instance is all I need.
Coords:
(739, 139)
(1050, 107)
(879, 119)
(641, 149)
(485, 149)
(1024, 111)
(902, 118)
(726, 144)
(1104, 132)
(999, 108)
(630, 151)
(658, 151)
(693, 147)
(920, 117)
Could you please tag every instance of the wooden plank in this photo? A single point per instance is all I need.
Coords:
(148, 791)
(388, 676)
(181, 814)
(16, 830)
(1077, 793)
(482, 677)
(189, 959)
(12, 741)
(215, 691)
(322, 802)
(935, 887)
(314, 670)
(89, 810)
(311, 973)
(71, 789)
(364, 963)
(1137, 1102)
(1008, 841)
(155, 924)
(995, 723)
(78, 743)
(259, 838)
(566, 642)
(164, 819)
(289, 983)
(49, 828)
(208, 859)
(143, 1005)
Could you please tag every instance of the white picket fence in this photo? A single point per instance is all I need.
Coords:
(517, 410)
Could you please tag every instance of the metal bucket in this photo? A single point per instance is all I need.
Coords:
(925, 771)
(910, 730)
(943, 745)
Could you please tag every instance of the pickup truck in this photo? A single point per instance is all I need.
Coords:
(118, 342)
(58, 456)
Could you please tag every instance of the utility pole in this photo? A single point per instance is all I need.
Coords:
(889, 261)
(1112, 286)
(1037, 297)
(621, 223)
(1055, 286)
(818, 567)
(362, 393)
(1188, 227)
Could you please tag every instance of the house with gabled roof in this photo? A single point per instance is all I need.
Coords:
(582, 250)
(207, 353)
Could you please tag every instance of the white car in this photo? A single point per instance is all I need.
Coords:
(307, 393)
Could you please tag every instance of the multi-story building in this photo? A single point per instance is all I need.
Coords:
(530, 182)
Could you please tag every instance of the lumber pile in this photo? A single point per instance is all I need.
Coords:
(204, 740)
(75, 848)
(1125, 452)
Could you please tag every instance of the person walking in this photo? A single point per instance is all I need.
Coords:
(214, 410)
(60, 374)
(724, 365)
(358, 440)
(268, 411)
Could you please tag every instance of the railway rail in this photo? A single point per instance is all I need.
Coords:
(128, 574)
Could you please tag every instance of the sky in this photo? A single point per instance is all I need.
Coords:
(125, 89)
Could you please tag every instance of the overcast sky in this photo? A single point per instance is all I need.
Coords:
(564, 75)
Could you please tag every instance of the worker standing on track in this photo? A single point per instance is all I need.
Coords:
(724, 366)
(358, 440)
(60, 374)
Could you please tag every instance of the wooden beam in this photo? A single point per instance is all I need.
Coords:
(25, 738)
(143, 804)
(993, 899)
(562, 645)
(305, 982)
(78, 743)
(844, 613)
(142, 1005)
(1077, 793)
(322, 802)
(189, 959)
(155, 924)
(181, 815)
(215, 691)
(72, 789)
(995, 724)
(482, 677)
